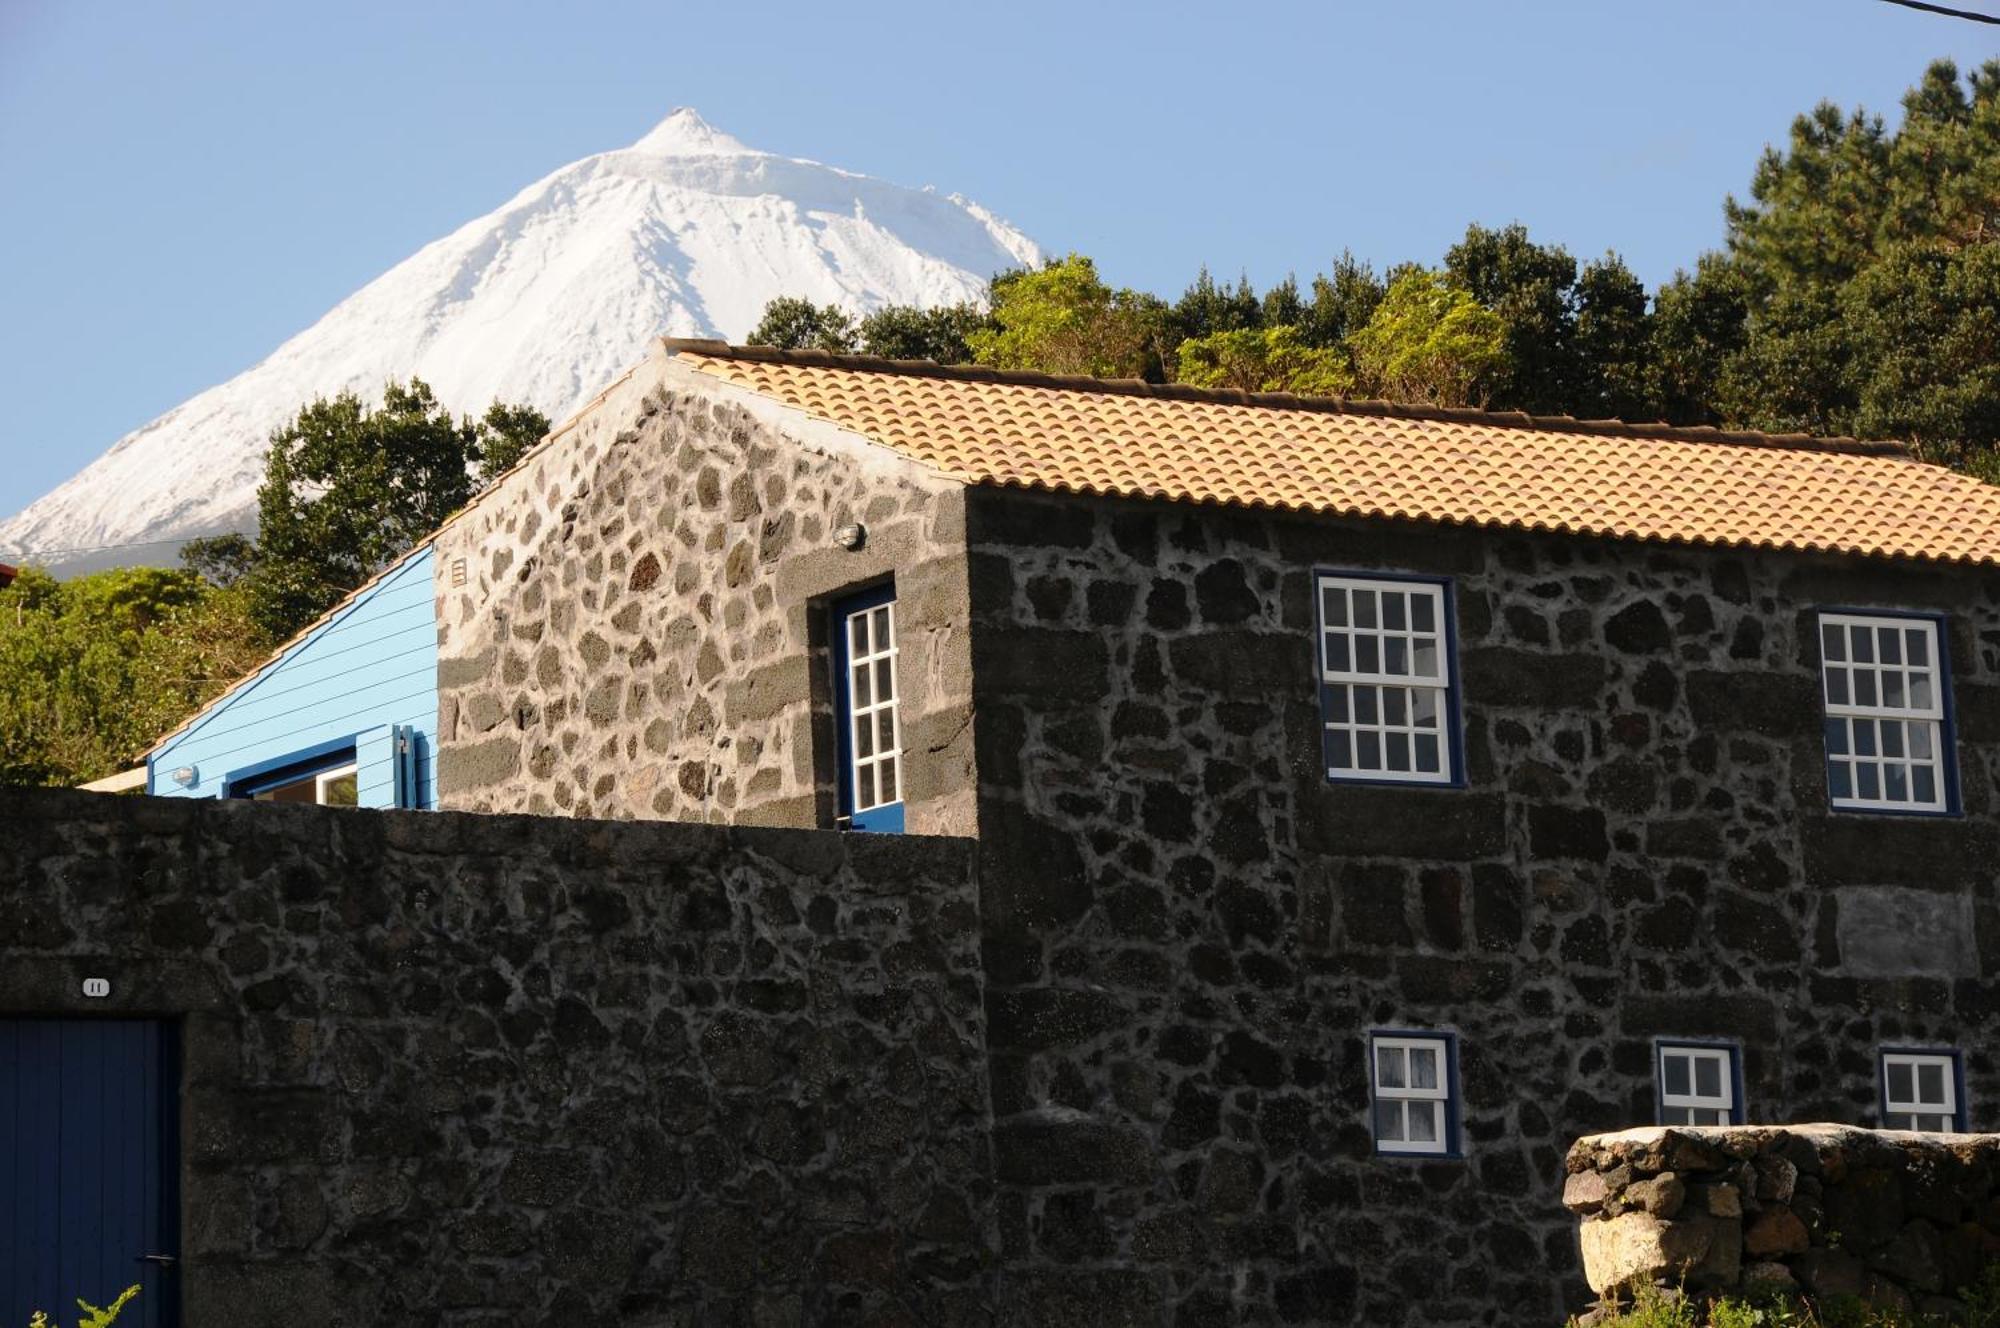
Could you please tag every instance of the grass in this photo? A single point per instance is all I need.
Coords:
(1654, 1308)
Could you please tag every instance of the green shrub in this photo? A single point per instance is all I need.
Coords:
(93, 1316)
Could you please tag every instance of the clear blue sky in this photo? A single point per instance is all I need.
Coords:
(186, 185)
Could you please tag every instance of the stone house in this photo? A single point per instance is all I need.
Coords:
(1369, 800)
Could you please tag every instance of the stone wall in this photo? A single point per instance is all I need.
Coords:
(1190, 932)
(461, 1070)
(632, 624)
(1904, 1220)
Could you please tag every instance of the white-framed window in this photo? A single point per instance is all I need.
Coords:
(1920, 1091)
(1415, 1093)
(338, 787)
(1698, 1085)
(871, 732)
(1386, 686)
(1883, 680)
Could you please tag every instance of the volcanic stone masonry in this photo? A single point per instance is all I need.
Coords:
(627, 623)
(1904, 1220)
(1190, 933)
(457, 1070)
(1186, 932)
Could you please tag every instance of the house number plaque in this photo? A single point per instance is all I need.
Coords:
(97, 987)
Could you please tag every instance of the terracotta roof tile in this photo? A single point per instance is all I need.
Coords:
(1633, 481)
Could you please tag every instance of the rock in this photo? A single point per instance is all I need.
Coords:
(1661, 1196)
(1776, 1178)
(1776, 1231)
(1635, 1248)
(1830, 1273)
(1585, 1192)
(1724, 1201)
(1769, 1277)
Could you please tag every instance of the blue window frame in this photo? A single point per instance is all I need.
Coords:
(1388, 679)
(1885, 689)
(1413, 1093)
(867, 696)
(1698, 1083)
(1922, 1088)
(300, 776)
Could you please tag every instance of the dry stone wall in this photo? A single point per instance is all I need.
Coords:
(632, 624)
(1190, 933)
(481, 1070)
(1901, 1219)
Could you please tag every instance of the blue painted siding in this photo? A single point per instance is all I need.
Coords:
(374, 664)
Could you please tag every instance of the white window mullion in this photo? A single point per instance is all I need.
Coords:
(1697, 1085)
(1385, 678)
(1411, 1101)
(1882, 685)
(874, 727)
(1920, 1091)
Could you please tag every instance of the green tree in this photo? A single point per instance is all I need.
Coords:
(1613, 345)
(1431, 342)
(790, 323)
(905, 332)
(1532, 287)
(1342, 302)
(1206, 308)
(1062, 319)
(1856, 290)
(94, 669)
(1270, 359)
(348, 488)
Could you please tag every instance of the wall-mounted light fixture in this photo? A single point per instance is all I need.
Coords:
(185, 776)
(851, 537)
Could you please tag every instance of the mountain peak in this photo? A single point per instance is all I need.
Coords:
(685, 134)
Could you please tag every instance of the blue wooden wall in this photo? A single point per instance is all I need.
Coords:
(374, 663)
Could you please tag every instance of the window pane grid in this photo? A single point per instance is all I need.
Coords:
(1697, 1086)
(1884, 698)
(1384, 680)
(1412, 1079)
(875, 741)
(1919, 1092)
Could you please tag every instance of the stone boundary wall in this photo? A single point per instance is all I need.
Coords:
(1905, 1220)
(454, 1070)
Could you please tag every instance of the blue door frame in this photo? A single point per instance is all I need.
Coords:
(89, 1168)
(886, 817)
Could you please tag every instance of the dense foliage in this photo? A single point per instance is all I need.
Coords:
(1858, 291)
(94, 669)
(348, 488)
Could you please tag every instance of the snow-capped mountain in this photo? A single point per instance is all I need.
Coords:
(544, 300)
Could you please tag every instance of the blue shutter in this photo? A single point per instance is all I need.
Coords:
(378, 768)
(409, 767)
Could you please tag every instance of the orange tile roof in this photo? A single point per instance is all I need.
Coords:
(1370, 459)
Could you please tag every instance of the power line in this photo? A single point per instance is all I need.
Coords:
(1947, 12)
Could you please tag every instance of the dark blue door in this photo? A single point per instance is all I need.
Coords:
(88, 1167)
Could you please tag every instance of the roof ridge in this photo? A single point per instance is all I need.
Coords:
(1331, 405)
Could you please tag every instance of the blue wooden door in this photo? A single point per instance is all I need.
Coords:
(88, 1168)
(868, 696)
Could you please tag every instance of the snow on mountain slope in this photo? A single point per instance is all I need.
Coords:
(544, 300)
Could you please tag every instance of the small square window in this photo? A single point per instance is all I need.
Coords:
(1882, 686)
(1414, 1086)
(1698, 1084)
(1386, 682)
(1922, 1090)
